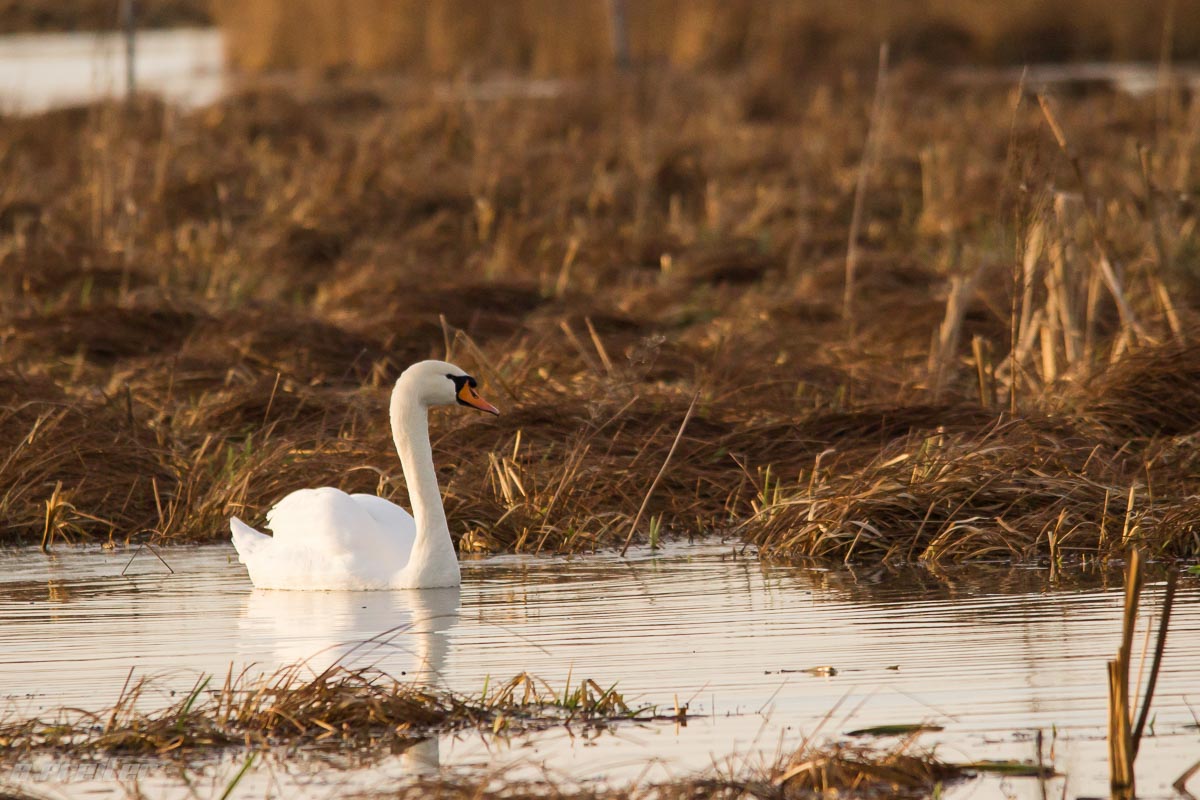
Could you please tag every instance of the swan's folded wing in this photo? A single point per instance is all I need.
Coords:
(324, 520)
(325, 539)
(394, 522)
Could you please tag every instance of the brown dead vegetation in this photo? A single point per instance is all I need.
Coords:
(200, 312)
(1017, 490)
(374, 716)
(836, 770)
(338, 709)
(40, 16)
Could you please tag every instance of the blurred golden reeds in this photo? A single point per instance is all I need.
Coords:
(550, 37)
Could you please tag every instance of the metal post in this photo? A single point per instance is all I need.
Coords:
(129, 26)
(618, 23)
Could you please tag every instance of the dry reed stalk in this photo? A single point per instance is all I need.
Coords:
(654, 484)
(865, 165)
(950, 331)
(1180, 784)
(52, 510)
(599, 345)
(1104, 261)
(1121, 747)
(1023, 318)
(1162, 251)
(984, 372)
(1153, 218)
(1160, 643)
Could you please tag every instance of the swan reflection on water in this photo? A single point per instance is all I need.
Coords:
(401, 633)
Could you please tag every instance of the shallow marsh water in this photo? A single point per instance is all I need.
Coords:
(41, 71)
(185, 66)
(992, 653)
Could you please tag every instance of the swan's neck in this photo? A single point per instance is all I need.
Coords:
(433, 561)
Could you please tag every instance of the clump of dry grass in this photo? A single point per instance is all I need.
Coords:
(339, 709)
(904, 771)
(1153, 392)
(544, 473)
(73, 466)
(1019, 490)
(837, 769)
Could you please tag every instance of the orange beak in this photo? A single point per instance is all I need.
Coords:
(470, 397)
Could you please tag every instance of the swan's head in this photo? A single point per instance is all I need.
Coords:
(438, 383)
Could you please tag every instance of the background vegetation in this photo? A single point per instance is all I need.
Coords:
(550, 37)
(923, 317)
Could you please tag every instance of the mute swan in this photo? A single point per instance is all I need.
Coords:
(327, 539)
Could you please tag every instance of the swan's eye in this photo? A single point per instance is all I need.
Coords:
(465, 394)
(461, 381)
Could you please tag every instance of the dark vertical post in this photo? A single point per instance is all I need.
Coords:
(618, 23)
(129, 27)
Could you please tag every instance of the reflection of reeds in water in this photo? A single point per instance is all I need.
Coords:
(551, 37)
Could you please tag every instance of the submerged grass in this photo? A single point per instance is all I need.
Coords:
(200, 312)
(827, 770)
(339, 709)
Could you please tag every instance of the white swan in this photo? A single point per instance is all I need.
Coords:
(327, 539)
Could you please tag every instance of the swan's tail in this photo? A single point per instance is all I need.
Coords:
(245, 539)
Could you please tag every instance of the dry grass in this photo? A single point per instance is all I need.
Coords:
(339, 709)
(1015, 491)
(372, 715)
(200, 312)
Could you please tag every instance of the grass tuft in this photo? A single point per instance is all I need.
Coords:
(339, 709)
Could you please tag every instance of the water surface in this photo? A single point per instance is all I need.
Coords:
(39, 71)
(991, 653)
(186, 67)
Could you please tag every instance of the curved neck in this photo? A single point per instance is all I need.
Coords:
(433, 558)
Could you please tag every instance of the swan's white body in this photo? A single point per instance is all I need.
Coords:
(326, 539)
